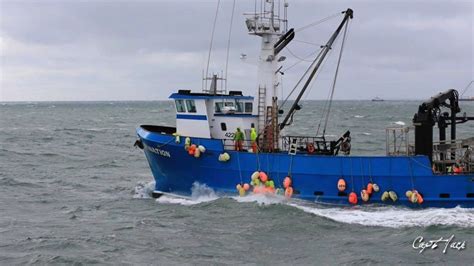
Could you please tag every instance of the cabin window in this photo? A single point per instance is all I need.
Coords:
(180, 106)
(218, 107)
(229, 104)
(191, 106)
(248, 107)
(223, 126)
(239, 107)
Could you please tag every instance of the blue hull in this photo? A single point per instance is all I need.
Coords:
(314, 177)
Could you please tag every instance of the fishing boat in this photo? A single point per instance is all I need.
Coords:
(210, 144)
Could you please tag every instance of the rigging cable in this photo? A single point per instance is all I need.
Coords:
(228, 43)
(297, 57)
(302, 77)
(317, 22)
(465, 89)
(335, 77)
(212, 39)
(299, 61)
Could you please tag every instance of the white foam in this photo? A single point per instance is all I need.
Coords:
(359, 116)
(366, 134)
(400, 123)
(394, 217)
(199, 193)
(261, 199)
(143, 190)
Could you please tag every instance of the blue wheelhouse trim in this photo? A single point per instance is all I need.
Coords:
(191, 117)
(190, 96)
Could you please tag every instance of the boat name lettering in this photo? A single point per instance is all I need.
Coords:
(230, 135)
(158, 151)
(421, 244)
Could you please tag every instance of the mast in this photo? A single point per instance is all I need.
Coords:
(319, 60)
(271, 28)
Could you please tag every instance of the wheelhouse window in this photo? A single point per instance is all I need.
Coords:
(239, 106)
(180, 106)
(248, 107)
(218, 107)
(191, 106)
(223, 126)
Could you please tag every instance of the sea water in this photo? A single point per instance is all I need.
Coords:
(74, 190)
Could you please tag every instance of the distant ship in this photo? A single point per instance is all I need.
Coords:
(377, 99)
(210, 144)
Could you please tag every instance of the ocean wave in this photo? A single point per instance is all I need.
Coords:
(143, 190)
(382, 216)
(200, 193)
(393, 217)
(8, 181)
(400, 123)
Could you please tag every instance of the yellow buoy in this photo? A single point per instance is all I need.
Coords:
(364, 195)
(409, 193)
(255, 175)
(226, 156)
(414, 197)
(177, 138)
(197, 153)
(385, 196)
(375, 187)
(393, 195)
(202, 149)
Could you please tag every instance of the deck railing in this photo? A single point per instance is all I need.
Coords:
(321, 146)
(449, 155)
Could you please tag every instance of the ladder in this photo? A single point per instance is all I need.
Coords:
(268, 142)
(261, 108)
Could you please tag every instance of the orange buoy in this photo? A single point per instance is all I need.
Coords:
(341, 185)
(420, 198)
(192, 149)
(258, 189)
(287, 182)
(263, 177)
(457, 170)
(288, 192)
(352, 198)
(246, 186)
(364, 195)
(370, 188)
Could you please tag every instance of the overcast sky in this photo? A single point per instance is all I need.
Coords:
(144, 50)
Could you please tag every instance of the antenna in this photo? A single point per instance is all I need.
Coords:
(228, 45)
(212, 39)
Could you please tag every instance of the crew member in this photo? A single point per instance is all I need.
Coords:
(238, 139)
(253, 139)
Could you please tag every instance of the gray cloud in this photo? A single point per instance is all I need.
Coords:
(104, 50)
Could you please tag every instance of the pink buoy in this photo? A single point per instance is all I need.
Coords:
(263, 177)
(246, 187)
(287, 182)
